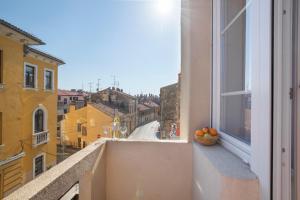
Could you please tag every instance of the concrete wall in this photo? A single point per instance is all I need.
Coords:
(149, 170)
(196, 65)
(196, 56)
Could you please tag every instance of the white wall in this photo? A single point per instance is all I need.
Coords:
(148, 171)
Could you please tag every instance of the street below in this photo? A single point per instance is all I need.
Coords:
(145, 132)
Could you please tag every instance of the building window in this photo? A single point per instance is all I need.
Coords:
(30, 76)
(78, 127)
(59, 98)
(40, 119)
(235, 64)
(1, 66)
(39, 165)
(84, 131)
(65, 100)
(235, 44)
(49, 79)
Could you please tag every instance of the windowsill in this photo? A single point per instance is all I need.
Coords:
(32, 89)
(2, 86)
(179, 141)
(47, 90)
(226, 163)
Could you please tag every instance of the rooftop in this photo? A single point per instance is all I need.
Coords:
(118, 91)
(69, 93)
(107, 109)
(17, 30)
(142, 107)
(28, 49)
(151, 104)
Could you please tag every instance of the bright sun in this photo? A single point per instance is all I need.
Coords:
(164, 7)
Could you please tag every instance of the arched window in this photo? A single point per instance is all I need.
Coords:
(39, 121)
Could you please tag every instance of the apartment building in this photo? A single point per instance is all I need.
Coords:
(146, 114)
(28, 96)
(66, 97)
(115, 98)
(83, 126)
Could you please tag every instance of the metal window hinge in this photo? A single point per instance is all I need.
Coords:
(291, 93)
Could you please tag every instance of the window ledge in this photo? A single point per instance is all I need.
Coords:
(179, 141)
(2, 86)
(226, 163)
(32, 89)
(47, 90)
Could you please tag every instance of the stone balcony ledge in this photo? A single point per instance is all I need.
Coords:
(118, 169)
(55, 182)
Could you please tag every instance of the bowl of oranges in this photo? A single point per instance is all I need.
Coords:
(206, 136)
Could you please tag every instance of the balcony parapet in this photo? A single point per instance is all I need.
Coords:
(54, 183)
(40, 138)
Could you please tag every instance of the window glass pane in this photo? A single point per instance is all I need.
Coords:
(236, 56)
(48, 81)
(39, 121)
(233, 57)
(236, 116)
(84, 132)
(229, 10)
(29, 76)
(78, 127)
(39, 165)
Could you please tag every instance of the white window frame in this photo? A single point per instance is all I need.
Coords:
(53, 76)
(45, 122)
(33, 164)
(35, 76)
(259, 153)
(236, 146)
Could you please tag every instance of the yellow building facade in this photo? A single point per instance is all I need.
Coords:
(83, 126)
(28, 101)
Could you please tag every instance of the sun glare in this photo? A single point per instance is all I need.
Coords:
(164, 7)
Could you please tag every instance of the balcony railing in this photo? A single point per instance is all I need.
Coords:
(40, 138)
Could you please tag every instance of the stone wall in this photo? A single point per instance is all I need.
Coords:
(168, 107)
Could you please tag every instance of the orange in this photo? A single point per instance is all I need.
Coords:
(199, 133)
(205, 130)
(213, 132)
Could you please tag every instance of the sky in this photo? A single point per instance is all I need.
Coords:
(137, 41)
